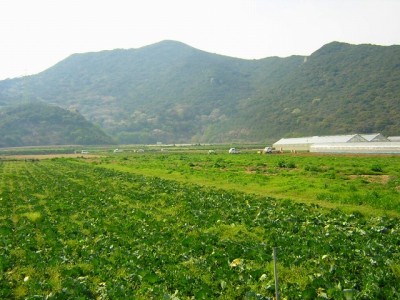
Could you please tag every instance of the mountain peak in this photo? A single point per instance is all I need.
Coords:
(170, 43)
(332, 48)
(169, 47)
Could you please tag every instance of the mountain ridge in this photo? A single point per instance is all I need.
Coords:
(172, 92)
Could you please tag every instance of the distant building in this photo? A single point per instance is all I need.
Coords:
(355, 143)
(304, 143)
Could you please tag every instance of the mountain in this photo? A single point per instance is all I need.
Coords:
(171, 92)
(36, 124)
(341, 88)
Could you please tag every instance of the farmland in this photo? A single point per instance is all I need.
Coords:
(185, 225)
(370, 184)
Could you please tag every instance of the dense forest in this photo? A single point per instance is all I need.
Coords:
(171, 92)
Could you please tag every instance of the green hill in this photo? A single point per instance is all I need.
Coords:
(171, 92)
(37, 124)
(341, 88)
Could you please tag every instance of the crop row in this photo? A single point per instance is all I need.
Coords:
(74, 230)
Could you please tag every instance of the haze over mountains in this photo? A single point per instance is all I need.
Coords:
(172, 93)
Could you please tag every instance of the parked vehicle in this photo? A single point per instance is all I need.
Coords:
(267, 150)
(233, 151)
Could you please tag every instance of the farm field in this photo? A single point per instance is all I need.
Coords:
(369, 184)
(198, 226)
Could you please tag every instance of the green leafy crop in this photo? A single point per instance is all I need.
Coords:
(75, 230)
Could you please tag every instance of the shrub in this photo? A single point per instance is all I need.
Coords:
(377, 168)
(284, 164)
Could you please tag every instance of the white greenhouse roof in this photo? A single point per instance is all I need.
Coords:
(374, 137)
(303, 140)
(321, 139)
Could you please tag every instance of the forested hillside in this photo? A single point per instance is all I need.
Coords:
(171, 92)
(38, 124)
(340, 88)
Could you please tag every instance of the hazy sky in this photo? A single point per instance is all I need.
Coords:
(36, 34)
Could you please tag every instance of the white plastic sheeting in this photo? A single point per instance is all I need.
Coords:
(304, 143)
(369, 148)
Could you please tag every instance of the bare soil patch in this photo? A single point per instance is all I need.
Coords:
(383, 179)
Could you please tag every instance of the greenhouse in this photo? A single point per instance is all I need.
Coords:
(354, 143)
(394, 138)
(371, 147)
(304, 143)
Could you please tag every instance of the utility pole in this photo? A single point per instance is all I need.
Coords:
(276, 275)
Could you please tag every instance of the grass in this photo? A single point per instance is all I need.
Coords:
(368, 184)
